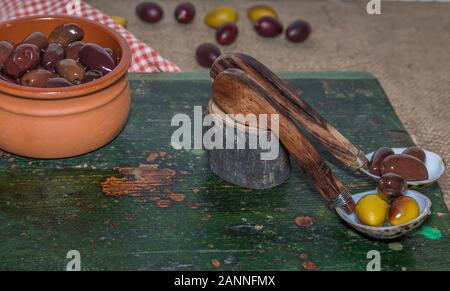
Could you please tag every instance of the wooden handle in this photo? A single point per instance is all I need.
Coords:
(236, 92)
(295, 107)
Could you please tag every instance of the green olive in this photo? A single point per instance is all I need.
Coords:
(221, 15)
(372, 210)
(256, 12)
(403, 210)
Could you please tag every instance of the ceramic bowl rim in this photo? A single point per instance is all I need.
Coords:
(17, 90)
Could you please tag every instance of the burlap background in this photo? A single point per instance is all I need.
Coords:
(406, 48)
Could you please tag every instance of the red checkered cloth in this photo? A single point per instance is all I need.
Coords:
(145, 59)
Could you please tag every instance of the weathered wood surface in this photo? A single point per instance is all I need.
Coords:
(121, 212)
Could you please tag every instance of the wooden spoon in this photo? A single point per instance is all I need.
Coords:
(236, 92)
(295, 107)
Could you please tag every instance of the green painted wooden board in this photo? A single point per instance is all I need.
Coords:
(48, 207)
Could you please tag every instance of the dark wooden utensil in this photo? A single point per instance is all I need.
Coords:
(237, 92)
(295, 107)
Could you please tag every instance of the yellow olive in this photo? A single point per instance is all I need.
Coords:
(256, 12)
(372, 210)
(403, 209)
(221, 15)
(120, 20)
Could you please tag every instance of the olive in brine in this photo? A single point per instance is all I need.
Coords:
(5, 50)
(23, 58)
(392, 184)
(227, 33)
(150, 12)
(206, 54)
(72, 51)
(38, 39)
(415, 152)
(410, 168)
(91, 76)
(53, 54)
(378, 158)
(37, 78)
(298, 31)
(57, 82)
(184, 13)
(94, 57)
(66, 33)
(268, 26)
(71, 70)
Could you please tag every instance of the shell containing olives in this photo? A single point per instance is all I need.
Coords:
(434, 164)
(388, 230)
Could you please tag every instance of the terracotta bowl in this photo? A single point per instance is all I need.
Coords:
(69, 121)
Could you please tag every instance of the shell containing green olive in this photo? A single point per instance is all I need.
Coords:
(408, 167)
(57, 82)
(38, 39)
(53, 54)
(71, 70)
(66, 33)
(415, 152)
(378, 158)
(24, 57)
(37, 78)
(5, 50)
(72, 51)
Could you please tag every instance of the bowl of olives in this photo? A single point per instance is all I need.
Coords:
(64, 87)
(387, 216)
(417, 166)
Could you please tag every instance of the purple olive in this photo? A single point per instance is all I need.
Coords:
(112, 54)
(227, 33)
(66, 33)
(71, 70)
(5, 50)
(206, 54)
(38, 39)
(392, 184)
(24, 57)
(72, 51)
(268, 26)
(298, 31)
(184, 13)
(7, 78)
(57, 82)
(91, 76)
(53, 54)
(36, 78)
(149, 12)
(94, 57)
